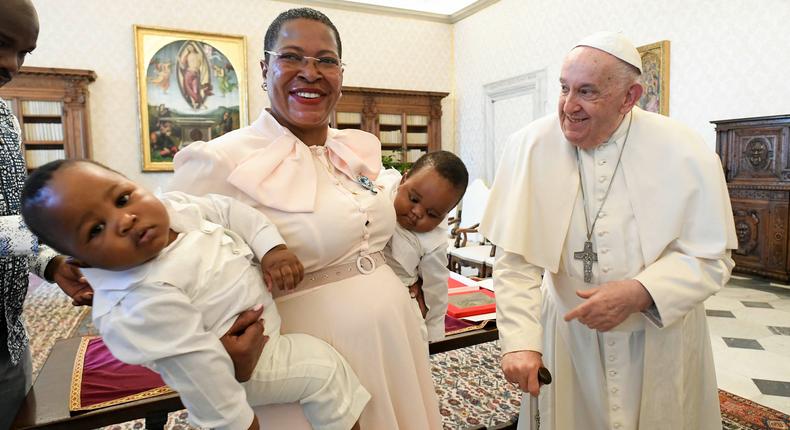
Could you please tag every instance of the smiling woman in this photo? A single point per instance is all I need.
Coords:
(310, 180)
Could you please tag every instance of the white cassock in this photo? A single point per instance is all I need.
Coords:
(667, 222)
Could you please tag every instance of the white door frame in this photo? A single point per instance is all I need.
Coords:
(533, 83)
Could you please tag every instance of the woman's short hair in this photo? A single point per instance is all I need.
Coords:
(273, 32)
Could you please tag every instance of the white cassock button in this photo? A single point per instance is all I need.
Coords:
(602, 163)
(319, 150)
(611, 358)
(236, 251)
(361, 209)
(606, 269)
(602, 232)
(601, 214)
(613, 390)
(612, 373)
(615, 407)
(604, 250)
(602, 179)
(617, 425)
(611, 342)
(600, 198)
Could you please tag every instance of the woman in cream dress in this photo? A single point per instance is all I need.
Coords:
(318, 186)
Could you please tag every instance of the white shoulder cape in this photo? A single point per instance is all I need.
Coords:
(675, 184)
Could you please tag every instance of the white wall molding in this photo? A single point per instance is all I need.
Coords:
(394, 11)
(531, 84)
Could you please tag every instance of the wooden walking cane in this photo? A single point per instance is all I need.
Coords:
(544, 378)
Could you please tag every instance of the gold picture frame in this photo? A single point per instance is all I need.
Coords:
(191, 86)
(655, 77)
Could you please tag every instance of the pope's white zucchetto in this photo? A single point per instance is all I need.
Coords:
(615, 44)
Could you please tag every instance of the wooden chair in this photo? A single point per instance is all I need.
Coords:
(469, 248)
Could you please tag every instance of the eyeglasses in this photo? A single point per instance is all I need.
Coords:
(294, 60)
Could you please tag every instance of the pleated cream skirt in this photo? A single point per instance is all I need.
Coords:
(369, 320)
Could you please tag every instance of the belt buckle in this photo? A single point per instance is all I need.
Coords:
(361, 266)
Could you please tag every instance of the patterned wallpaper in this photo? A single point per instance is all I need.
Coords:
(381, 51)
(729, 59)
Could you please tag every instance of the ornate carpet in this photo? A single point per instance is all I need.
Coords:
(470, 386)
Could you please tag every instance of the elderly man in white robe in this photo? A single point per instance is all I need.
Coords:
(625, 215)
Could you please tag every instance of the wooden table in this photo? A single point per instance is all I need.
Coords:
(47, 404)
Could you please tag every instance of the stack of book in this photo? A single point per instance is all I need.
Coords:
(417, 120)
(390, 137)
(42, 108)
(35, 158)
(389, 119)
(417, 138)
(43, 131)
(349, 118)
(414, 154)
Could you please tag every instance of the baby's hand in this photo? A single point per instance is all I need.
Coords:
(281, 269)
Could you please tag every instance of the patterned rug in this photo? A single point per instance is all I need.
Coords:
(49, 316)
(470, 386)
(746, 414)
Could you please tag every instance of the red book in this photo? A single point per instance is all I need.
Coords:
(468, 303)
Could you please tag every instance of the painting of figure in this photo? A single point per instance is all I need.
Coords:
(194, 77)
(192, 87)
(655, 77)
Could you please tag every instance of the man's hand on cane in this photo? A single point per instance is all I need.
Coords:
(521, 367)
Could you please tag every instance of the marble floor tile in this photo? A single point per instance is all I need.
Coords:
(734, 327)
(720, 314)
(777, 344)
(760, 316)
(746, 294)
(734, 342)
(781, 305)
(755, 364)
(749, 304)
(723, 303)
(773, 388)
(779, 403)
(785, 331)
(737, 384)
(767, 317)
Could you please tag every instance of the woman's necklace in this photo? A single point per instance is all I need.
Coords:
(587, 255)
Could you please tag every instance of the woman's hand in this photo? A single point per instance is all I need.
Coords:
(64, 272)
(281, 268)
(244, 342)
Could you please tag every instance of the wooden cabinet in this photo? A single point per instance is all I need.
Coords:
(408, 123)
(52, 108)
(755, 153)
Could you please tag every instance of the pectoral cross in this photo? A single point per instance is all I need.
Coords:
(587, 256)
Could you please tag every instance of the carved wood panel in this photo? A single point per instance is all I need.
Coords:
(761, 227)
(755, 154)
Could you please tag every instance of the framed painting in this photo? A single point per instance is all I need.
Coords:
(655, 77)
(192, 86)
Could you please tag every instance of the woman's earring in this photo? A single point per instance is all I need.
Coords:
(263, 85)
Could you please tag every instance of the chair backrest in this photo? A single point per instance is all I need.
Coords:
(473, 206)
